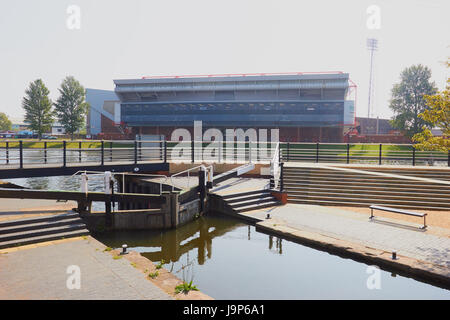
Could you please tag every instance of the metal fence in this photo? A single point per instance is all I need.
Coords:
(19, 153)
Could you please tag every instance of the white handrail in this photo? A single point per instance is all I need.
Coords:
(275, 165)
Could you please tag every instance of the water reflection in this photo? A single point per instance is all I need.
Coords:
(171, 245)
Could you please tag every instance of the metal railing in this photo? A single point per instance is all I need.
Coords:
(208, 169)
(20, 153)
(402, 154)
(163, 179)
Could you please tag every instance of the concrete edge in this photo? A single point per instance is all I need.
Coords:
(404, 266)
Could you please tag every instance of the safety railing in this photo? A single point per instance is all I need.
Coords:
(108, 177)
(392, 154)
(208, 169)
(20, 153)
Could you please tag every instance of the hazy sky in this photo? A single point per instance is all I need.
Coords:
(129, 39)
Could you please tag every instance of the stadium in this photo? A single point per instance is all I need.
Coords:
(305, 107)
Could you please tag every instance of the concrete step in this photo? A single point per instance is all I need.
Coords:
(250, 197)
(40, 219)
(43, 238)
(367, 200)
(379, 179)
(41, 232)
(401, 197)
(356, 189)
(243, 194)
(356, 175)
(39, 225)
(247, 202)
(261, 206)
(290, 182)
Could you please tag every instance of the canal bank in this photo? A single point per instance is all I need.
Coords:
(424, 256)
(41, 270)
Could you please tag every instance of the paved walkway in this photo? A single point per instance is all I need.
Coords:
(41, 273)
(356, 228)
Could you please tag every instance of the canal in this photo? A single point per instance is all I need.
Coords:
(228, 259)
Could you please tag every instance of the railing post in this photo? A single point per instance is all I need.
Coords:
(21, 153)
(192, 150)
(79, 151)
(288, 147)
(348, 153)
(45, 152)
(202, 188)
(413, 156)
(7, 152)
(380, 154)
(135, 151)
(102, 153)
(64, 154)
(165, 151)
(279, 153)
(281, 176)
(317, 152)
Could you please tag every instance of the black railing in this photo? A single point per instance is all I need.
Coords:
(21, 153)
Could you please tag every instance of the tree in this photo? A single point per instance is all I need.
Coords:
(5, 123)
(71, 107)
(438, 115)
(38, 107)
(408, 100)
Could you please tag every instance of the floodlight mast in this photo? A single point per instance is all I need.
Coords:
(372, 45)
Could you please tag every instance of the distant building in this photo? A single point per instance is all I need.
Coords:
(311, 107)
(375, 130)
(57, 129)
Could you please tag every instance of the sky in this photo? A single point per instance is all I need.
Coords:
(135, 38)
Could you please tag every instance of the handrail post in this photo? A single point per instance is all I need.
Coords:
(7, 152)
(102, 153)
(288, 147)
(348, 153)
(317, 152)
(21, 153)
(165, 150)
(413, 156)
(135, 151)
(64, 154)
(79, 151)
(192, 150)
(45, 151)
(380, 154)
(281, 176)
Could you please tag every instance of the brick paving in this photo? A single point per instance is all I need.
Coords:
(41, 273)
(354, 227)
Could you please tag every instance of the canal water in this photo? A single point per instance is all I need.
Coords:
(228, 259)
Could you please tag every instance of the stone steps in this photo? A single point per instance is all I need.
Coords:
(337, 187)
(252, 200)
(47, 228)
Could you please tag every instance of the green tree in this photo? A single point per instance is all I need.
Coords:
(438, 114)
(5, 123)
(38, 107)
(71, 107)
(408, 99)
